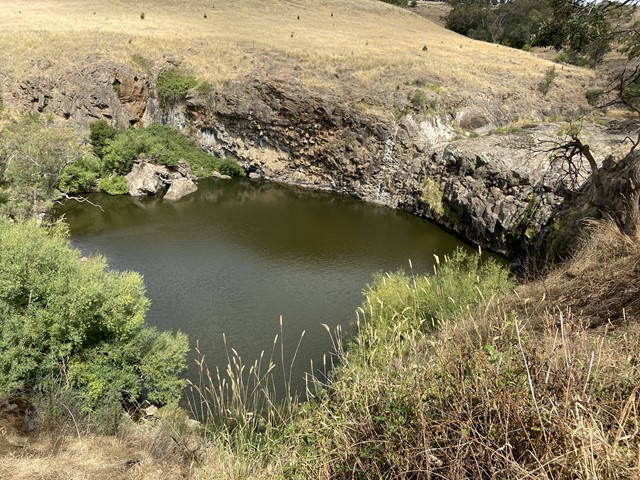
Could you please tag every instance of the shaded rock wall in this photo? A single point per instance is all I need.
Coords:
(496, 191)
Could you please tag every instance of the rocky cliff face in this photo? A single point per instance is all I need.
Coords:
(97, 90)
(495, 190)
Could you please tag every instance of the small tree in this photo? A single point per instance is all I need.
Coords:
(63, 317)
(33, 154)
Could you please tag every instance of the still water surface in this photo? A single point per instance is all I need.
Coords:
(237, 255)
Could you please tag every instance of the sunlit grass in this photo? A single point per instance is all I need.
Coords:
(365, 39)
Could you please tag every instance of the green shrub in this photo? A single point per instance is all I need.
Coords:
(227, 166)
(593, 96)
(462, 282)
(101, 133)
(172, 87)
(163, 145)
(79, 176)
(431, 194)
(114, 185)
(418, 99)
(63, 316)
(549, 76)
(33, 152)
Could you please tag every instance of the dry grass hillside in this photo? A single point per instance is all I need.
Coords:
(363, 43)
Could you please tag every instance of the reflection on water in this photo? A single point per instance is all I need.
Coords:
(238, 254)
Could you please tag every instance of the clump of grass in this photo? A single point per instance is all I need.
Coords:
(142, 62)
(431, 194)
(244, 410)
(549, 77)
(172, 87)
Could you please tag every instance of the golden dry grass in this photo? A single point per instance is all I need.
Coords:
(367, 40)
(63, 454)
(523, 388)
(600, 285)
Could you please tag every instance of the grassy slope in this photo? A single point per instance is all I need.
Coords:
(366, 42)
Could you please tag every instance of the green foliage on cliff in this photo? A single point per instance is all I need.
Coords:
(172, 87)
(73, 319)
(79, 176)
(114, 185)
(101, 133)
(163, 145)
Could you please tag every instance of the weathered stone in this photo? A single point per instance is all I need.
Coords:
(19, 411)
(98, 90)
(146, 179)
(221, 176)
(180, 188)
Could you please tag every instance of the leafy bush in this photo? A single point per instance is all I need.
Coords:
(101, 133)
(165, 146)
(33, 153)
(549, 76)
(114, 185)
(79, 176)
(172, 87)
(63, 316)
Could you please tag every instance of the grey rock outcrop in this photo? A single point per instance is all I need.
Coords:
(147, 178)
(98, 90)
(495, 190)
(179, 188)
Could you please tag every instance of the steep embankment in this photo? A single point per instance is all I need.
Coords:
(358, 97)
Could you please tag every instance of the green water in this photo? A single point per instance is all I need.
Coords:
(238, 255)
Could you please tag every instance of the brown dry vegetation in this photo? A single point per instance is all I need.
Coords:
(366, 42)
(528, 387)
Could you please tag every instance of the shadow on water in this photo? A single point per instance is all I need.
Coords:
(237, 255)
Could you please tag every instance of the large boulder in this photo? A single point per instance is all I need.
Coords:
(179, 188)
(147, 179)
